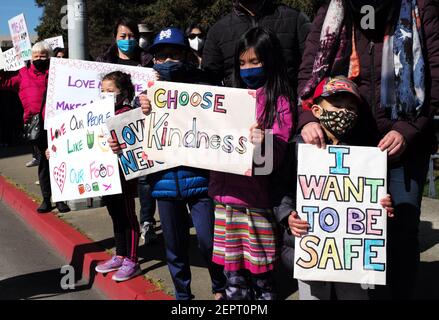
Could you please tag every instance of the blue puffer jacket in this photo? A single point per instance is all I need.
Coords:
(179, 183)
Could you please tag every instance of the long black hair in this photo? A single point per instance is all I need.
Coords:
(269, 52)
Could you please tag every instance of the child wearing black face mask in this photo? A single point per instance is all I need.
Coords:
(335, 104)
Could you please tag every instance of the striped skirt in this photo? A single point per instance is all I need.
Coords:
(244, 239)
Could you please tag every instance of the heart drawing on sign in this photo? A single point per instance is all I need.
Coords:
(59, 173)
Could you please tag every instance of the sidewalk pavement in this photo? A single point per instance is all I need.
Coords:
(96, 225)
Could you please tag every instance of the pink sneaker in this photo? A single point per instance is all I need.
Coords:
(110, 265)
(128, 270)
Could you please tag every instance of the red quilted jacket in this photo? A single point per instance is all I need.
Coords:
(30, 84)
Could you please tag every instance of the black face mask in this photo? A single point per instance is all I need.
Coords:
(41, 65)
(339, 123)
(171, 71)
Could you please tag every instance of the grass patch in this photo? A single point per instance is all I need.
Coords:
(159, 284)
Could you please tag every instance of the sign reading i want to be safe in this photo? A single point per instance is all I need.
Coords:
(338, 192)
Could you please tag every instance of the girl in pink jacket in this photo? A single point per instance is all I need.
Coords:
(244, 238)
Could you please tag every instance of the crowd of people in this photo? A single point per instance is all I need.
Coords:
(327, 82)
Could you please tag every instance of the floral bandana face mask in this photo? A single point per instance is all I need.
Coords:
(338, 122)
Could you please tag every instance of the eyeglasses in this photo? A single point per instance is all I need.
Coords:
(192, 36)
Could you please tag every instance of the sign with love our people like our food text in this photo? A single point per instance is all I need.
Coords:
(75, 83)
(82, 164)
(338, 192)
(128, 130)
(200, 126)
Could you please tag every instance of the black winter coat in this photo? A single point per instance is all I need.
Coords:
(419, 133)
(290, 25)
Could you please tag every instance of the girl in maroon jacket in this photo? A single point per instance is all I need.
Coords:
(121, 207)
(30, 83)
(395, 63)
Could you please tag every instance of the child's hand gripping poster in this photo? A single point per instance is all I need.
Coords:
(82, 165)
(338, 192)
(128, 130)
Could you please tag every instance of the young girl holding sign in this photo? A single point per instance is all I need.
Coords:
(244, 239)
(121, 207)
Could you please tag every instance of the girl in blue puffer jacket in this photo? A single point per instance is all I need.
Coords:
(182, 188)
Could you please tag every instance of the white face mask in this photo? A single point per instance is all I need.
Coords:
(196, 43)
(143, 43)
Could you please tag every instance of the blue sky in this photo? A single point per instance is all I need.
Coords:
(11, 8)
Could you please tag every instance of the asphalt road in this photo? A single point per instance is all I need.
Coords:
(30, 269)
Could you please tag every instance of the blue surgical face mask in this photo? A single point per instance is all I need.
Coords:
(127, 46)
(170, 70)
(254, 78)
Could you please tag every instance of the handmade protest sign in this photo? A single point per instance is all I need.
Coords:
(2, 60)
(12, 61)
(20, 37)
(200, 126)
(55, 42)
(338, 192)
(82, 164)
(73, 83)
(128, 129)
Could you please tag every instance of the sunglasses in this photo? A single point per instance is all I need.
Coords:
(162, 56)
(192, 36)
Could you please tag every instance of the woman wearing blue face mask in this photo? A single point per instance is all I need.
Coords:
(126, 49)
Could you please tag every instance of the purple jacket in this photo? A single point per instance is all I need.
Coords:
(419, 133)
(30, 84)
(254, 191)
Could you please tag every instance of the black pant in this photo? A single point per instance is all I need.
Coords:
(121, 208)
(43, 167)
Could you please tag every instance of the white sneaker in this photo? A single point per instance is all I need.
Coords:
(33, 163)
(37, 182)
(147, 233)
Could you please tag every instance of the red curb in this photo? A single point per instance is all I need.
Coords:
(65, 239)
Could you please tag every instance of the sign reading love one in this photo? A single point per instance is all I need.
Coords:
(128, 130)
(74, 84)
(338, 192)
(82, 164)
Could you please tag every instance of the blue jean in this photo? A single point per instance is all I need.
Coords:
(406, 184)
(147, 202)
(175, 224)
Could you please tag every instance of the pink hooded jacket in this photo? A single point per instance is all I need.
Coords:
(254, 192)
(30, 84)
